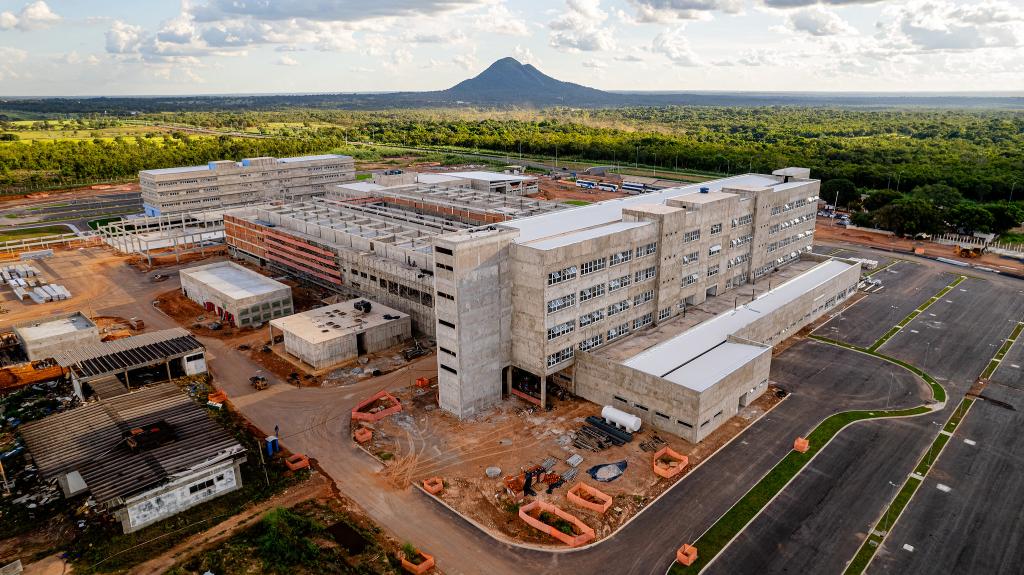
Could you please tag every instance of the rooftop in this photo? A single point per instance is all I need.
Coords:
(490, 176)
(233, 280)
(127, 353)
(90, 440)
(53, 326)
(554, 242)
(545, 225)
(337, 320)
(207, 167)
(709, 368)
(668, 356)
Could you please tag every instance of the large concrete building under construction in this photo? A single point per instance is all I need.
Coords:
(224, 184)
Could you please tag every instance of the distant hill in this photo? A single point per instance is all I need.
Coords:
(505, 83)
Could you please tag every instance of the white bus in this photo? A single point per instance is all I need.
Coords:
(608, 187)
(634, 187)
(586, 184)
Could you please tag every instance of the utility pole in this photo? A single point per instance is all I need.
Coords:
(637, 164)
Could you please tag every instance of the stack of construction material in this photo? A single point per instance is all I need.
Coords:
(18, 271)
(26, 283)
(49, 292)
(596, 435)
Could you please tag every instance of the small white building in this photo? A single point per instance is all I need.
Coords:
(143, 456)
(237, 295)
(327, 336)
(44, 338)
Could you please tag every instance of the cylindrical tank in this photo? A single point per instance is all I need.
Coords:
(621, 419)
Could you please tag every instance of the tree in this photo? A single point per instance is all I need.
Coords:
(841, 191)
(908, 215)
(1005, 215)
(863, 219)
(878, 199)
(969, 217)
(941, 196)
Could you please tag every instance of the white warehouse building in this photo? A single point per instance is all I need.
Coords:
(237, 295)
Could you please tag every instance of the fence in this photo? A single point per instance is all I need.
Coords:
(42, 242)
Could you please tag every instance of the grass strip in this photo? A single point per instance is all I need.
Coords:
(874, 540)
(910, 317)
(1003, 349)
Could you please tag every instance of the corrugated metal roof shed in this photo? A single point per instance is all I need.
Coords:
(128, 353)
(89, 440)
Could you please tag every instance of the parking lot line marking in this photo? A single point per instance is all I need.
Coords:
(908, 547)
(970, 442)
(944, 488)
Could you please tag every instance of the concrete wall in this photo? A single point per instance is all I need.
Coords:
(37, 348)
(323, 355)
(168, 500)
(252, 310)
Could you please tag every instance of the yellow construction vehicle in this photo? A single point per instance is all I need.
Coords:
(968, 251)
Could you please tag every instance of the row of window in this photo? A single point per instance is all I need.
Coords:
(599, 264)
(561, 329)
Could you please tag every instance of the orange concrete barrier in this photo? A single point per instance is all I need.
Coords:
(297, 462)
(218, 397)
(434, 485)
(362, 435)
(381, 405)
(422, 382)
(686, 554)
(801, 445)
(422, 567)
(582, 533)
(667, 463)
(589, 497)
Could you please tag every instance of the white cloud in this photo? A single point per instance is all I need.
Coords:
(802, 3)
(9, 59)
(124, 38)
(665, 11)
(582, 28)
(672, 44)
(525, 55)
(33, 16)
(818, 21)
(942, 25)
(466, 61)
(628, 58)
(594, 64)
(330, 11)
(74, 58)
(287, 61)
(360, 70)
(498, 19)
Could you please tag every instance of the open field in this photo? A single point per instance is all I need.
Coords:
(32, 232)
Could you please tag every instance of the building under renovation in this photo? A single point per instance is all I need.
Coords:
(223, 184)
(371, 240)
(142, 456)
(237, 295)
(44, 338)
(325, 337)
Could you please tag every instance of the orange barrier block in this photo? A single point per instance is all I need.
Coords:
(422, 567)
(422, 382)
(667, 463)
(434, 485)
(686, 554)
(296, 462)
(582, 533)
(218, 397)
(589, 497)
(381, 405)
(801, 445)
(362, 435)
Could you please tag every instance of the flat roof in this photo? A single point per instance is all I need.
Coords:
(553, 242)
(433, 178)
(545, 225)
(680, 350)
(313, 158)
(491, 176)
(53, 326)
(337, 320)
(362, 186)
(233, 280)
(707, 369)
(206, 167)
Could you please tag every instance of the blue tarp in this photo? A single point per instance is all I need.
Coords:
(607, 471)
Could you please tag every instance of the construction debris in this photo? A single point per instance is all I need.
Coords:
(608, 472)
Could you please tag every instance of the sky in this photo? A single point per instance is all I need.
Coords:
(137, 47)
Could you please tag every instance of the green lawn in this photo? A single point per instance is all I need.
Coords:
(28, 233)
(577, 202)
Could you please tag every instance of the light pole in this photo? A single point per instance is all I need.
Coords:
(932, 448)
(888, 510)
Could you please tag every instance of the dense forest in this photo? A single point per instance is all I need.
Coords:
(979, 154)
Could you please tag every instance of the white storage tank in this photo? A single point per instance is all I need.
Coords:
(621, 419)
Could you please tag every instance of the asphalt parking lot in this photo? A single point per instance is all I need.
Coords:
(905, 287)
(966, 516)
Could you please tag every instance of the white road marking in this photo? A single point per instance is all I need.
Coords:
(931, 314)
(944, 488)
(908, 547)
(970, 442)
(914, 331)
(949, 301)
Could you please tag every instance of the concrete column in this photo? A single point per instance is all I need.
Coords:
(508, 381)
(168, 366)
(543, 392)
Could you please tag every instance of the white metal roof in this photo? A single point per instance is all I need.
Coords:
(490, 176)
(431, 178)
(709, 368)
(361, 186)
(233, 280)
(545, 225)
(553, 242)
(313, 158)
(676, 352)
(177, 170)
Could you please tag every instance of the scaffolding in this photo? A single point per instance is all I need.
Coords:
(170, 234)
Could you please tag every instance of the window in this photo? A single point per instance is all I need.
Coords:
(592, 317)
(591, 343)
(193, 489)
(644, 275)
(618, 307)
(446, 350)
(647, 250)
(561, 329)
(619, 283)
(621, 257)
(617, 398)
(663, 314)
(561, 303)
(743, 220)
(448, 369)
(640, 407)
(691, 258)
(713, 271)
(640, 322)
(442, 266)
(592, 266)
(690, 279)
(738, 260)
(716, 229)
(684, 424)
(559, 356)
(715, 250)
(195, 357)
(661, 415)
(444, 251)
(618, 331)
(446, 323)
(561, 275)
(743, 240)
(643, 297)
(591, 292)
(691, 236)
(446, 296)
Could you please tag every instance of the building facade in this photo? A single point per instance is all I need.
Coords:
(237, 295)
(224, 184)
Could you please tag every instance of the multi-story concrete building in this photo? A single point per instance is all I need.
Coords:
(518, 301)
(372, 239)
(223, 184)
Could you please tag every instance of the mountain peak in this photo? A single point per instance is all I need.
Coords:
(508, 80)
